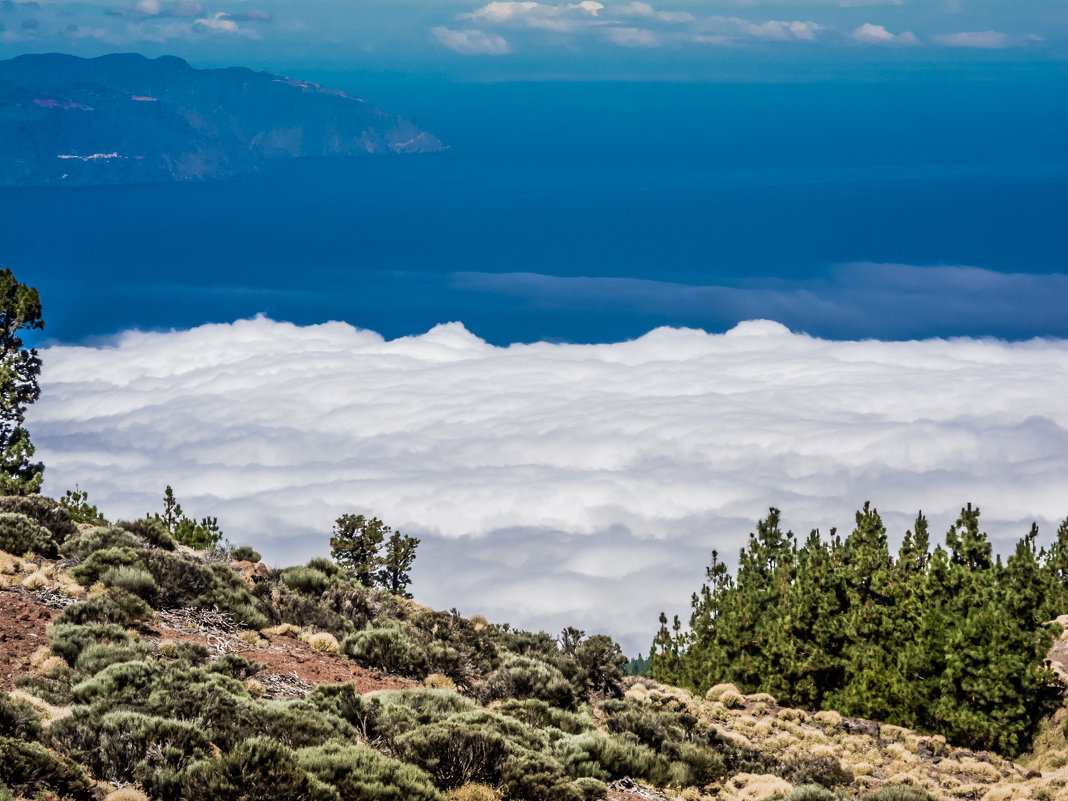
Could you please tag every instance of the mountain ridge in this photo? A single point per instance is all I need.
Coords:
(125, 118)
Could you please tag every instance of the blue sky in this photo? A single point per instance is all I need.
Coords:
(627, 38)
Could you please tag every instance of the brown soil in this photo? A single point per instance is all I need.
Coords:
(22, 627)
(290, 657)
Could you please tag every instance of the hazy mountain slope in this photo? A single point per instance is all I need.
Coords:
(124, 118)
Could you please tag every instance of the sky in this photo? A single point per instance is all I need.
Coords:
(532, 39)
(557, 484)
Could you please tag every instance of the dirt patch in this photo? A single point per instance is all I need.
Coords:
(288, 658)
(22, 631)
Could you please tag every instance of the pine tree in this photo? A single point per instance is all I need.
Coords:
(356, 544)
(397, 558)
(20, 309)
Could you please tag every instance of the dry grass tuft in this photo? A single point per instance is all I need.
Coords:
(439, 681)
(126, 794)
(474, 792)
(321, 641)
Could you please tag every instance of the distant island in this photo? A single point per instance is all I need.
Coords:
(125, 118)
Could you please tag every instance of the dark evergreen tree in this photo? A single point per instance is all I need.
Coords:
(398, 555)
(356, 544)
(20, 310)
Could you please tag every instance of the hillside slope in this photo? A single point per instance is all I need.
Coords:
(124, 118)
(298, 683)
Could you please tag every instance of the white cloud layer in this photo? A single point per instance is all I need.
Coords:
(556, 484)
(877, 34)
(471, 42)
(981, 40)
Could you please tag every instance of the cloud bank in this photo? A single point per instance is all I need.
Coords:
(556, 484)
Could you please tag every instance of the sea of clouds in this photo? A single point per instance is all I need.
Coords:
(556, 484)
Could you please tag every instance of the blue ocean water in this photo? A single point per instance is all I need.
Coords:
(594, 212)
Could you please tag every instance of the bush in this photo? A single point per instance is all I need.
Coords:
(454, 753)
(258, 769)
(244, 553)
(151, 531)
(595, 756)
(68, 640)
(184, 581)
(825, 771)
(362, 774)
(387, 646)
(99, 562)
(43, 511)
(521, 677)
(19, 534)
(53, 690)
(540, 715)
(29, 768)
(811, 792)
(324, 565)
(79, 546)
(98, 656)
(307, 580)
(898, 792)
(125, 683)
(123, 747)
(18, 719)
(134, 580)
(115, 606)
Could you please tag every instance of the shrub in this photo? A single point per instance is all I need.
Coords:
(151, 531)
(99, 562)
(454, 753)
(258, 769)
(184, 581)
(811, 792)
(29, 768)
(521, 677)
(98, 656)
(898, 792)
(55, 691)
(825, 771)
(19, 534)
(79, 546)
(601, 662)
(135, 580)
(115, 606)
(18, 719)
(540, 715)
(124, 746)
(125, 683)
(305, 579)
(324, 565)
(387, 646)
(474, 792)
(244, 553)
(322, 641)
(43, 511)
(595, 756)
(362, 774)
(68, 640)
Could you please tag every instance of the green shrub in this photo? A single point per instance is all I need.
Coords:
(99, 562)
(811, 792)
(522, 677)
(898, 792)
(388, 646)
(590, 788)
(29, 768)
(454, 753)
(68, 640)
(122, 684)
(18, 719)
(123, 747)
(825, 771)
(235, 666)
(244, 553)
(342, 701)
(362, 774)
(307, 580)
(114, 606)
(604, 758)
(80, 545)
(184, 581)
(135, 580)
(401, 711)
(55, 691)
(258, 769)
(98, 656)
(541, 715)
(324, 565)
(43, 511)
(19, 534)
(151, 531)
(601, 663)
(5, 792)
